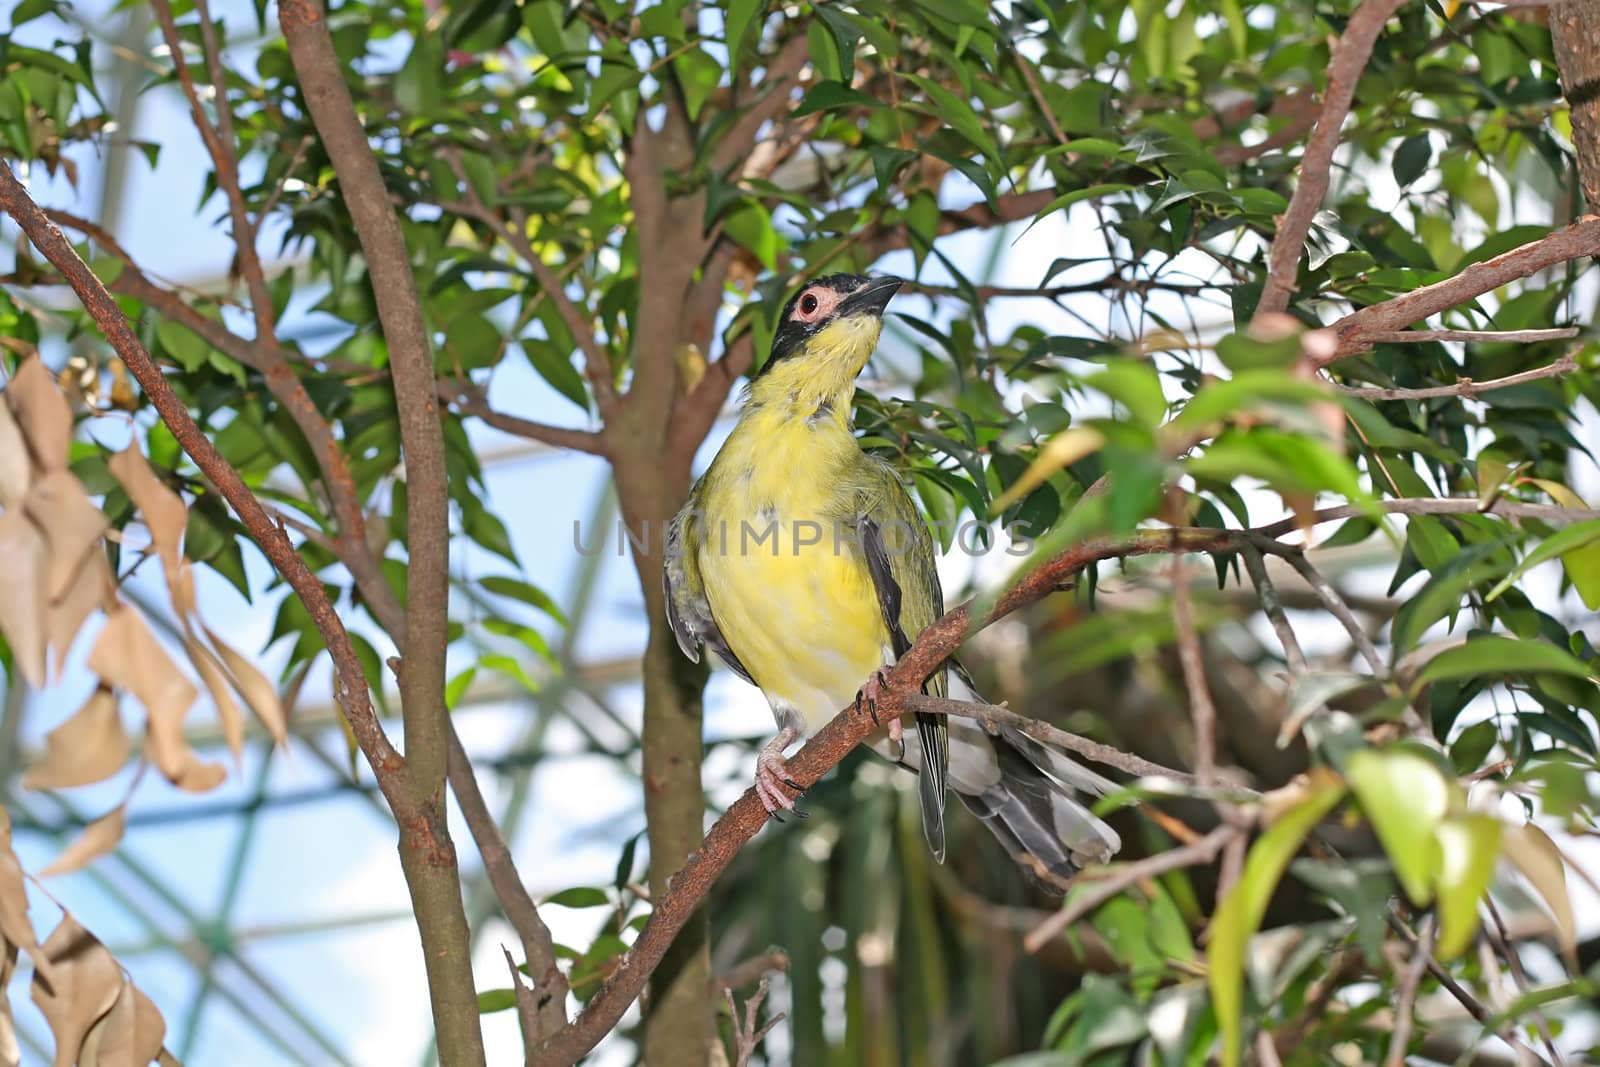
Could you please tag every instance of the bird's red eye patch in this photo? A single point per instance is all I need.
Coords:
(816, 304)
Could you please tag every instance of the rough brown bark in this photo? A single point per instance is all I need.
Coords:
(426, 852)
(1575, 31)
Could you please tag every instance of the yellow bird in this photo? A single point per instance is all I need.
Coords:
(803, 563)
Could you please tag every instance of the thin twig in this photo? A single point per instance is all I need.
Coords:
(1465, 386)
(1405, 1005)
(1121, 876)
(1501, 940)
(1474, 1006)
(222, 147)
(1404, 337)
(992, 715)
(1272, 605)
(1339, 610)
(746, 1037)
(1201, 709)
(468, 398)
(538, 947)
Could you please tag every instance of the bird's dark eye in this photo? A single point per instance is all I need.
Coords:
(808, 303)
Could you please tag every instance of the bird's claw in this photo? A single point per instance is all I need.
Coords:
(869, 693)
(773, 786)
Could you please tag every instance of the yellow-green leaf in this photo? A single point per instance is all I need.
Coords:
(1468, 847)
(1239, 916)
(1404, 796)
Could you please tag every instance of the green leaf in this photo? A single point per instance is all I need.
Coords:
(957, 112)
(419, 86)
(1493, 655)
(1411, 159)
(458, 686)
(493, 1000)
(583, 896)
(1468, 846)
(1567, 543)
(827, 96)
(1239, 916)
(1404, 796)
(555, 367)
(698, 75)
(741, 13)
(529, 594)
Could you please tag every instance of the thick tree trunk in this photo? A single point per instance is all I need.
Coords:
(1575, 30)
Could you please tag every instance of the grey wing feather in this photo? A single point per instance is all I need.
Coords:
(688, 610)
(932, 730)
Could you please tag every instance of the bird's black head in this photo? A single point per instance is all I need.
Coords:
(825, 300)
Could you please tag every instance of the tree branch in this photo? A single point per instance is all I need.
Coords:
(538, 947)
(431, 871)
(596, 362)
(468, 398)
(1355, 330)
(820, 754)
(1466, 386)
(1121, 876)
(1349, 59)
(392, 773)
(221, 146)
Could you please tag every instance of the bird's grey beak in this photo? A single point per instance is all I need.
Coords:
(871, 298)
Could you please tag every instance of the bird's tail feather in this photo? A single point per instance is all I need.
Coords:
(1037, 809)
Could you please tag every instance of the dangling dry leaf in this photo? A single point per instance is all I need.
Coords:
(42, 412)
(217, 684)
(193, 774)
(258, 692)
(90, 590)
(181, 585)
(10, 1054)
(1532, 852)
(71, 524)
(14, 476)
(15, 926)
(98, 838)
(22, 596)
(123, 397)
(84, 984)
(129, 1035)
(126, 655)
(89, 747)
(162, 509)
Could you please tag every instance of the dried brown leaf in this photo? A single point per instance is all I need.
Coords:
(98, 838)
(194, 775)
(217, 684)
(42, 412)
(10, 1054)
(181, 584)
(127, 655)
(22, 596)
(84, 984)
(129, 1035)
(257, 690)
(1532, 852)
(64, 619)
(89, 747)
(163, 510)
(14, 474)
(15, 926)
(71, 524)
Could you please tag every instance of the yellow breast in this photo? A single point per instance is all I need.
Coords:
(791, 596)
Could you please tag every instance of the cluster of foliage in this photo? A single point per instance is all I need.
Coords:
(618, 198)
